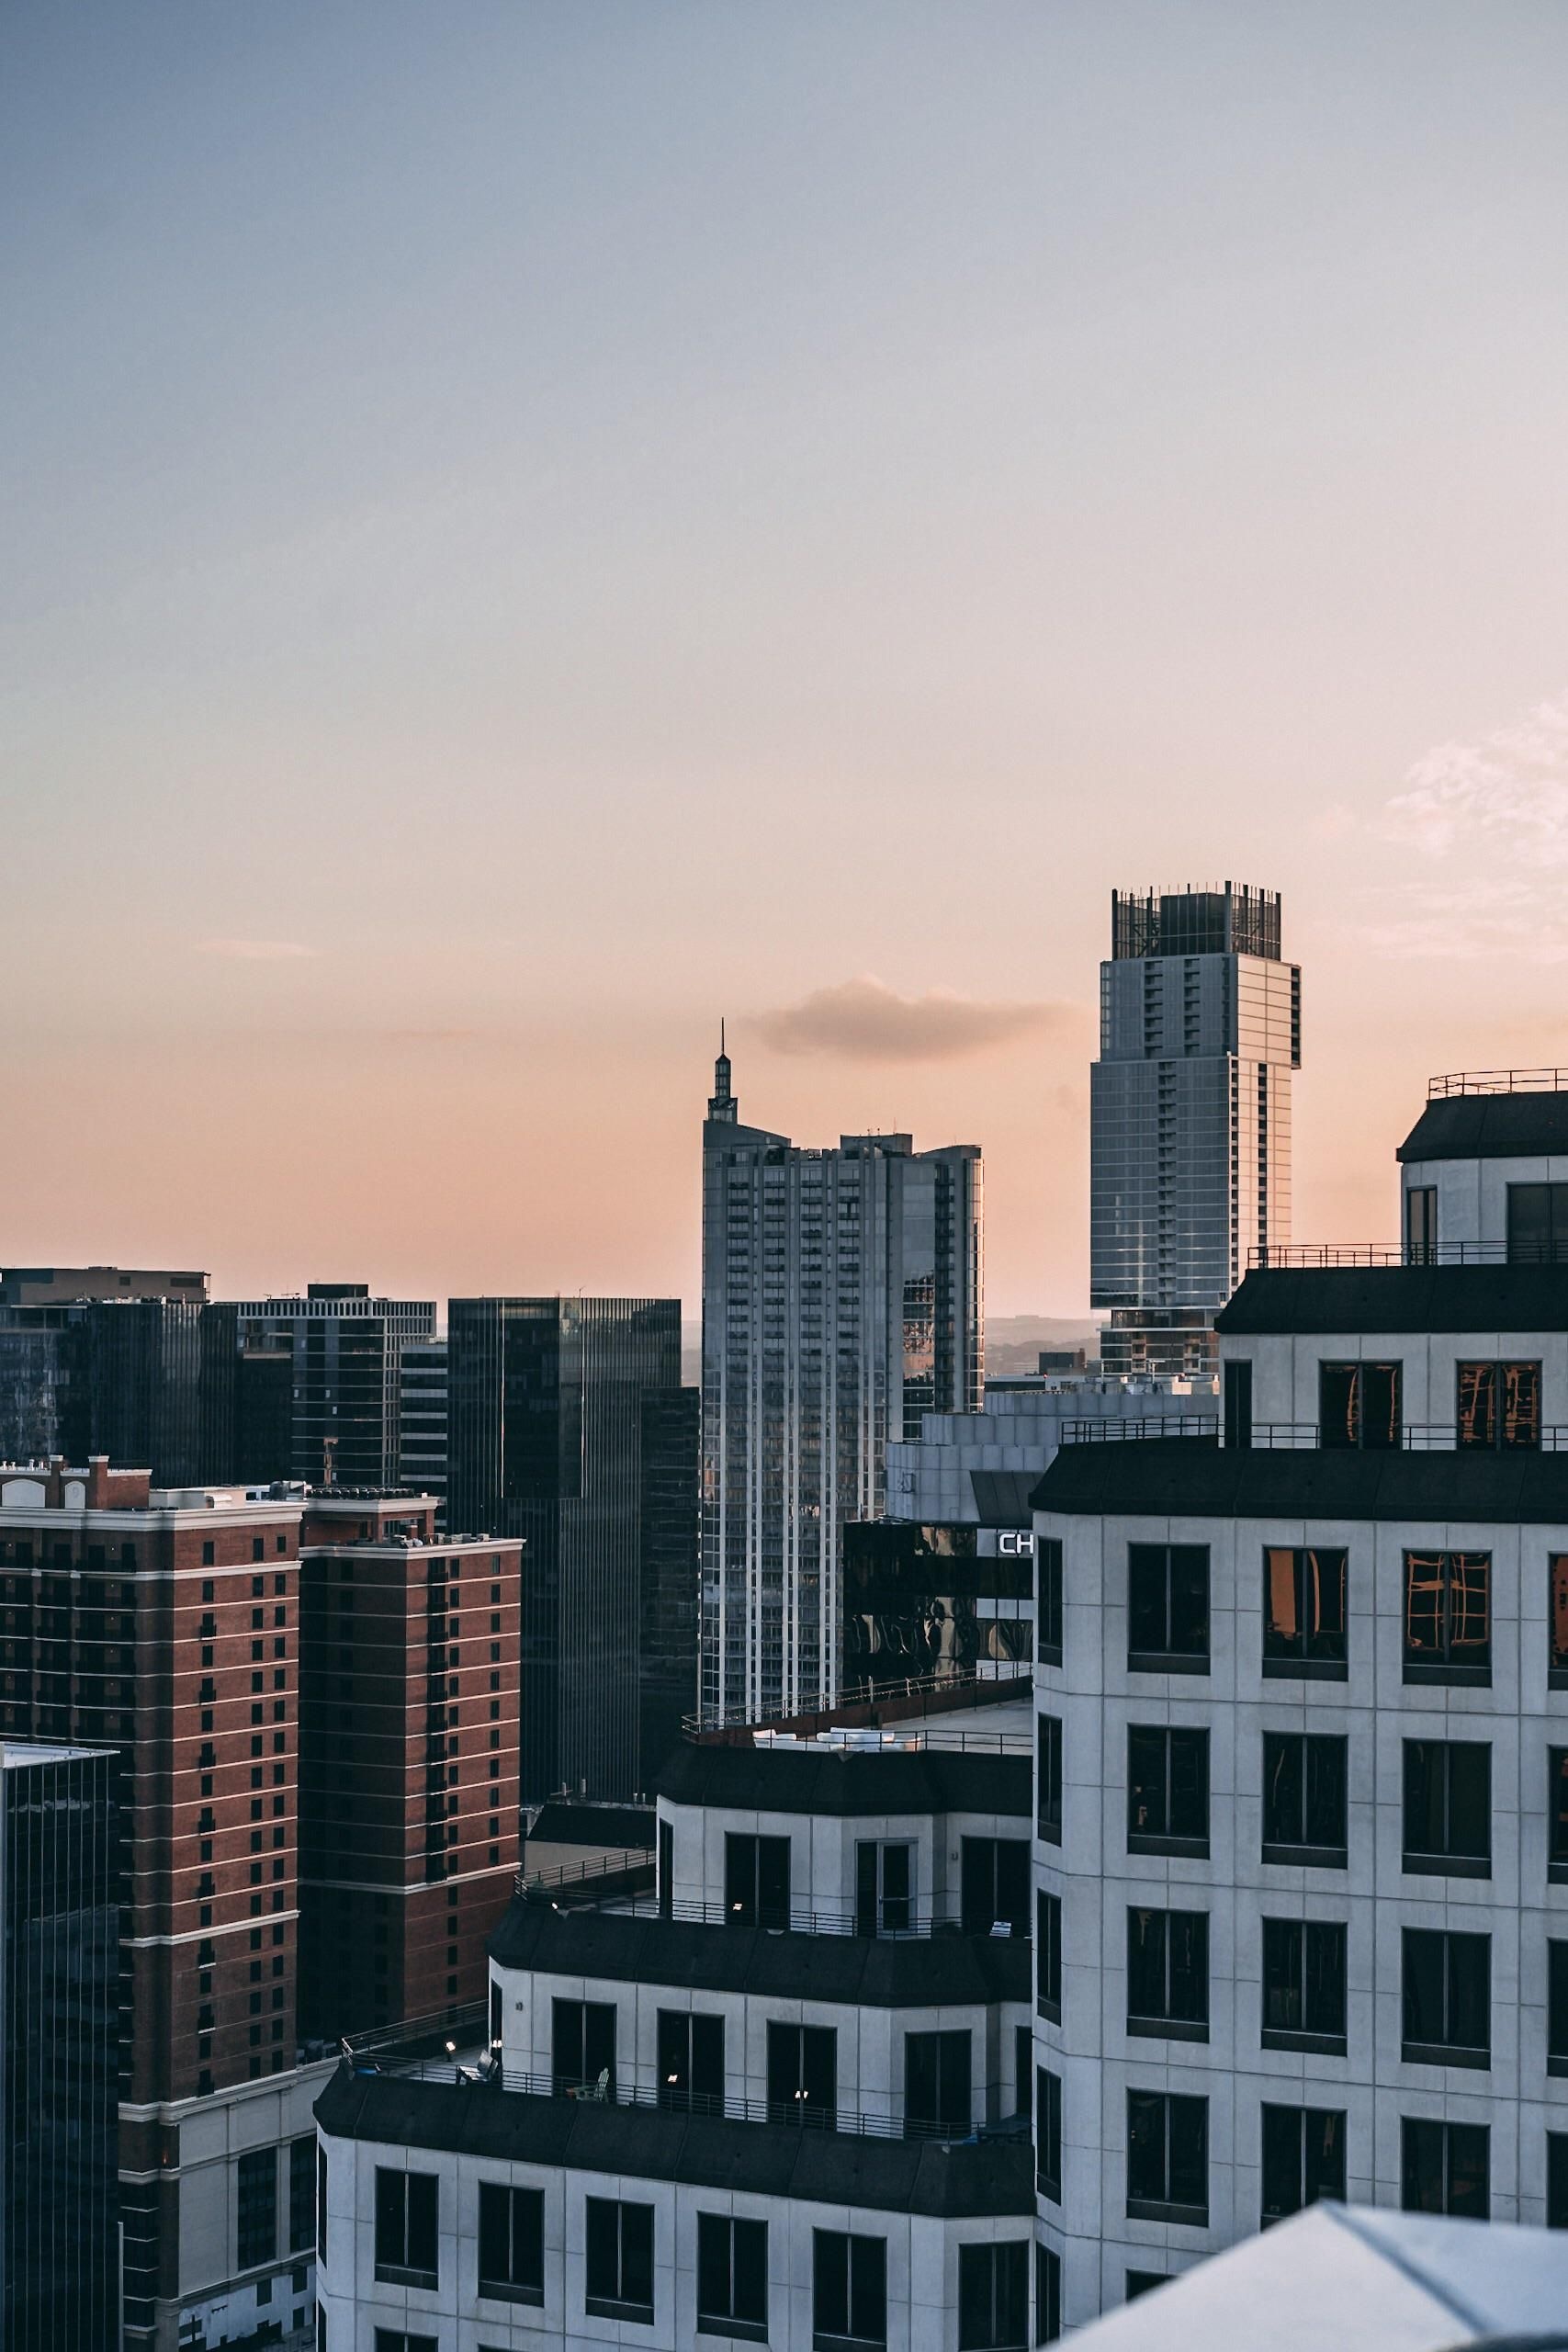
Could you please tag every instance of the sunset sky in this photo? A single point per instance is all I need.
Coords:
(531, 527)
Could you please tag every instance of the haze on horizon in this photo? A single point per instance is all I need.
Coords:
(532, 528)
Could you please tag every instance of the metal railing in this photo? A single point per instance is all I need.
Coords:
(1145, 1425)
(813, 1919)
(858, 1694)
(597, 1866)
(1497, 1081)
(1411, 1437)
(1321, 1255)
(484, 2073)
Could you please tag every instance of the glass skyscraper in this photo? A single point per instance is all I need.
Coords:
(1189, 1120)
(59, 1977)
(841, 1300)
(554, 1435)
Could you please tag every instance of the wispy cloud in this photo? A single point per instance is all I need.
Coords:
(1490, 821)
(865, 1020)
(255, 950)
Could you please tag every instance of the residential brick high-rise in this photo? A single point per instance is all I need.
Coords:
(408, 1728)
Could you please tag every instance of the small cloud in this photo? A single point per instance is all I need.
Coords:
(255, 950)
(1489, 820)
(865, 1020)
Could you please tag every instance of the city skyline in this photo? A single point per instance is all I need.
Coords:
(530, 534)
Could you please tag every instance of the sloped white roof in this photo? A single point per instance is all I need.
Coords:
(1341, 2277)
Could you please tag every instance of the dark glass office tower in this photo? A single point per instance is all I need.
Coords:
(667, 1662)
(153, 1387)
(547, 1401)
(59, 1972)
(347, 1371)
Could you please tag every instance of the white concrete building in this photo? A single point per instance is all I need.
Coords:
(781, 2100)
(1302, 1852)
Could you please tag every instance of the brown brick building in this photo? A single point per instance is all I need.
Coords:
(409, 1818)
(166, 1624)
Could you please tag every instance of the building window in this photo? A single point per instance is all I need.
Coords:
(1497, 1405)
(1445, 2169)
(884, 1876)
(256, 2180)
(1557, 1815)
(1557, 2180)
(1448, 1808)
(1048, 1956)
(1048, 2134)
(993, 2297)
(582, 2046)
(1167, 2158)
(1168, 1975)
(1167, 1791)
(1448, 1617)
(301, 2193)
(802, 2074)
(666, 1870)
(1537, 1224)
(619, 2270)
(1238, 1381)
(938, 2078)
(1557, 1587)
(1303, 1613)
(691, 2061)
(320, 2202)
(1358, 1405)
(511, 2243)
(388, 2339)
(1421, 1225)
(1167, 1608)
(732, 2278)
(849, 2292)
(993, 1886)
(1447, 1998)
(1048, 1780)
(1303, 2159)
(1047, 1600)
(1303, 1799)
(756, 1881)
(406, 2242)
(1557, 2007)
(1047, 2295)
(1303, 1985)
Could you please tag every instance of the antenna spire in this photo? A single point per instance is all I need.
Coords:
(722, 1104)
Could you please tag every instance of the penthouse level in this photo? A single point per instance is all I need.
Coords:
(782, 2099)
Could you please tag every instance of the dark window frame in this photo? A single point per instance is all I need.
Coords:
(1448, 1759)
(1311, 2180)
(1174, 2110)
(1048, 2134)
(993, 2295)
(1360, 1404)
(409, 2204)
(1557, 2006)
(1048, 1955)
(864, 2291)
(1305, 1962)
(1163, 1608)
(1422, 2135)
(744, 2264)
(1490, 1418)
(1048, 1601)
(1454, 1656)
(1155, 1938)
(1322, 1759)
(501, 2208)
(1305, 1655)
(629, 2257)
(1454, 1951)
(1190, 1741)
(1048, 1779)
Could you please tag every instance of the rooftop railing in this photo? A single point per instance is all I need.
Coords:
(1497, 1081)
(813, 1919)
(483, 2072)
(1145, 1425)
(1319, 1254)
(1411, 1437)
(860, 1694)
(596, 1866)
